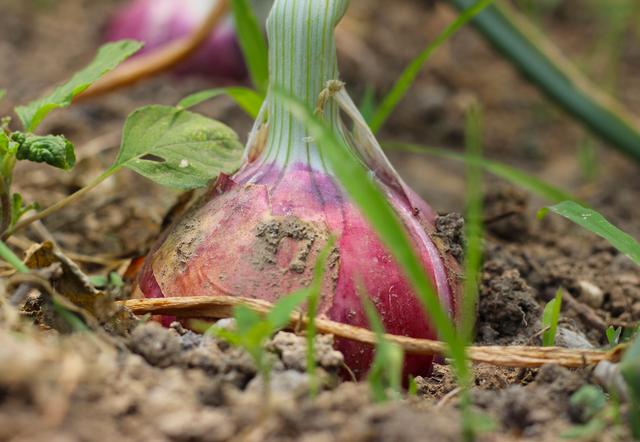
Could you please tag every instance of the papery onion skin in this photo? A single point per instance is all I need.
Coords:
(158, 22)
(257, 234)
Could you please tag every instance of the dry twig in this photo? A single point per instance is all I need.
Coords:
(221, 306)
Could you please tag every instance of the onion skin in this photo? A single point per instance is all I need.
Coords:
(158, 22)
(257, 234)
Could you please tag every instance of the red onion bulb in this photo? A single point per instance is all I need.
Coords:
(258, 233)
(158, 22)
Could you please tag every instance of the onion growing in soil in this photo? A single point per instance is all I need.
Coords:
(158, 22)
(258, 232)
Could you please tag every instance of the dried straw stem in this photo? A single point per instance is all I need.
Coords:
(159, 60)
(221, 306)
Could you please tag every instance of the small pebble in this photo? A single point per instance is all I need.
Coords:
(591, 294)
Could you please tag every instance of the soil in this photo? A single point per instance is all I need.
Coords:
(131, 379)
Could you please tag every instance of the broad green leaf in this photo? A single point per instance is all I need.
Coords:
(550, 318)
(3, 93)
(55, 150)
(252, 43)
(280, 314)
(249, 100)
(409, 75)
(508, 173)
(109, 56)
(177, 148)
(374, 205)
(596, 223)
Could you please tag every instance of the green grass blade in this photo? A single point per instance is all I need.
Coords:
(508, 173)
(368, 104)
(542, 64)
(7, 254)
(312, 311)
(598, 224)
(375, 207)
(280, 315)
(252, 43)
(630, 371)
(386, 370)
(550, 318)
(408, 76)
(473, 221)
(249, 100)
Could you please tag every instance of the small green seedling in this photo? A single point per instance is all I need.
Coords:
(253, 329)
(54, 150)
(590, 400)
(412, 390)
(593, 408)
(169, 145)
(112, 280)
(613, 335)
(550, 318)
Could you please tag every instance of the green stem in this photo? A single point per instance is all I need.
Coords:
(302, 58)
(62, 203)
(473, 222)
(7, 254)
(5, 205)
(543, 65)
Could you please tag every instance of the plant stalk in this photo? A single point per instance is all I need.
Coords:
(302, 59)
(60, 204)
(544, 66)
(5, 204)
